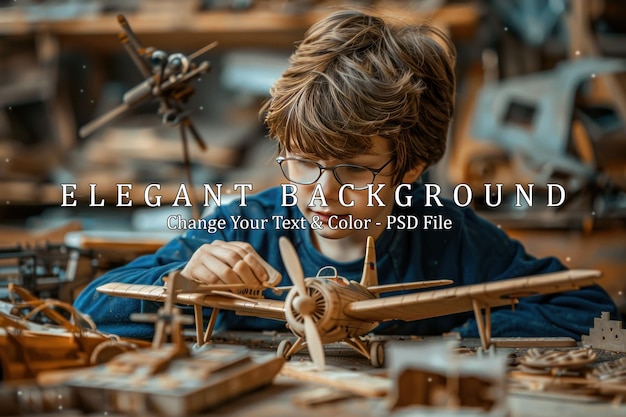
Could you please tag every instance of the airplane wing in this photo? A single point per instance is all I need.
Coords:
(378, 289)
(260, 307)
(442, 302)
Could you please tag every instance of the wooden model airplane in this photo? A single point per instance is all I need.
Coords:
(328, 309)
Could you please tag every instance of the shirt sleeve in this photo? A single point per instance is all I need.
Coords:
(487, 253)
(112, 314)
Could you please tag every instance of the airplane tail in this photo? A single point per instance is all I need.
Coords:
(370, 276)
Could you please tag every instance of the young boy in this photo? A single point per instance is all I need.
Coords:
(363, 109)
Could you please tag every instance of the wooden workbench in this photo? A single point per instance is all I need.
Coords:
(277, 400)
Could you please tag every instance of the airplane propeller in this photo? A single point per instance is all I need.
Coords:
(303, 304)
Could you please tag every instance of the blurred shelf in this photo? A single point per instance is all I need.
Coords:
(28, 193)
(255, 27)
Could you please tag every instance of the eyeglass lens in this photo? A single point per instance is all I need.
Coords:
(307, 172)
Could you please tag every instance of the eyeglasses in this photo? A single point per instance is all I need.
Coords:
(305, 172)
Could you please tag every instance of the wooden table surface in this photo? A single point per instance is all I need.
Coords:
(277, 400)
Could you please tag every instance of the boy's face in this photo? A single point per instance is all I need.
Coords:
(348, 210)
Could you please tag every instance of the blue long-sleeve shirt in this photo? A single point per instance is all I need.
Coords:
(471, 251)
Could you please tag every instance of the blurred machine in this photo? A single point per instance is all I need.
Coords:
(546, 138)
(564, 125)
(48, 270)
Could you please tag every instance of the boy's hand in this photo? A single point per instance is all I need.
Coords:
(222, 262)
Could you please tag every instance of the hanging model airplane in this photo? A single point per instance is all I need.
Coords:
(167, 79)
(328, 309)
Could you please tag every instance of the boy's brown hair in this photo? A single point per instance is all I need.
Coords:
(355, 76)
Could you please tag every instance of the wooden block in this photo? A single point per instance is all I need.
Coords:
(359, 383)
(320, 395)
(513, 342)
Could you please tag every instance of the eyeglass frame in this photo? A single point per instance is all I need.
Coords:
(374, 171)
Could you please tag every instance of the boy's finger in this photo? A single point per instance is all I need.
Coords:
(271, 275)
(246, 274)
(227, 254)
(222, 270)
(261, 268)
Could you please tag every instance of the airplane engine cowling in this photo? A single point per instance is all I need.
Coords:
(330, 299)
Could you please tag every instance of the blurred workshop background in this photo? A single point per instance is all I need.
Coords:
(541, 99)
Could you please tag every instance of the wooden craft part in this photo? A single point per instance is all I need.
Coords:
(330, 308)
(577, 388)
(187, 385)
(569, 375)
(610, 378)
(556, 374)
(429, 378)
(614, 371)
(170, 379)
(36, 337)
(558, 360)
(320, 395)
(513, 342)
(355, 382)
(606, 334)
